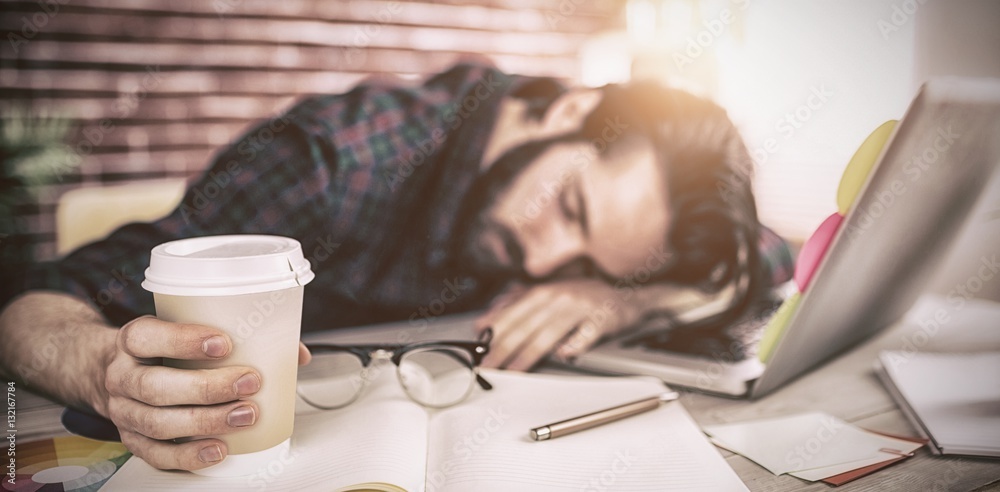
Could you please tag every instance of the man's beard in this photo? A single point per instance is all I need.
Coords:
(478, 232)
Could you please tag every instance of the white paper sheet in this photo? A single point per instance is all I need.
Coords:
(797, 442)
(904, 447)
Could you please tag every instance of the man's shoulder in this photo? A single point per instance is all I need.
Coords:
(468, 73)
(386, 92)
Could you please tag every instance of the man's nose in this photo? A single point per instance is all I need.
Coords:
(552, 254)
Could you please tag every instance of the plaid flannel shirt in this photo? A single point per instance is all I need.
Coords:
(369, 182)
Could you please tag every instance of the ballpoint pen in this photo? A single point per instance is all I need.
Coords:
(599, 417)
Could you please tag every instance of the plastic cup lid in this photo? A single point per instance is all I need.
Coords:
(226, 265)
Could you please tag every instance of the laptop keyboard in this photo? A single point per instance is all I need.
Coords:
(734, 342)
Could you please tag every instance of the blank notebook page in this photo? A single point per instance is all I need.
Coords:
(485, 446)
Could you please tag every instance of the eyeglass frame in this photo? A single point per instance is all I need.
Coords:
(477, 350)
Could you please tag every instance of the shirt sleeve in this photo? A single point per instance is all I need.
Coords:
(272, 180)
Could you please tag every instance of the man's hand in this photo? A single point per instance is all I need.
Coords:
(152, 404)
(59, 345)
(564, 318)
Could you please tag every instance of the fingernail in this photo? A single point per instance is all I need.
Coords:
(242, 416)
(215, 346)
(247, 384)
(210, 454)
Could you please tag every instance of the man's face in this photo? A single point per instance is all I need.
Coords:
(559, 208)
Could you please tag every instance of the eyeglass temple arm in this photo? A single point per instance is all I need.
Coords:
(484, 341)
(483, 383)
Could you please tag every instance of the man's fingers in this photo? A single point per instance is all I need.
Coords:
(511, 334)
(149, 337)
(579, 341)
(544, 341)
(193, 455)
(181, 421)
(505, 314)
(304, 354)
(490, 317)
(498, 306)
(163, 386)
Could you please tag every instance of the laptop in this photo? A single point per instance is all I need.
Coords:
(943, 151)
(928, 177)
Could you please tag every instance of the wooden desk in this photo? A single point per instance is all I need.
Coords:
(845, 387)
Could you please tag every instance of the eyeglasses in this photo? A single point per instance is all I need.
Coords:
(435, 374)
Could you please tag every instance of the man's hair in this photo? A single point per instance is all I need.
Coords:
(714, 228)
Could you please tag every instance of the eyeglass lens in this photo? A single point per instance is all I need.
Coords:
(434, 376)
(331, 380)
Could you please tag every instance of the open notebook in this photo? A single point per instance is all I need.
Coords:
(384, 441)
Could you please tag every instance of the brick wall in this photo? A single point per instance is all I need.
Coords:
(178, 79)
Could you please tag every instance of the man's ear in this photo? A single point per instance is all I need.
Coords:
(566, 113)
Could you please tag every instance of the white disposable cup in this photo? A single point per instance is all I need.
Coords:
(249, 286)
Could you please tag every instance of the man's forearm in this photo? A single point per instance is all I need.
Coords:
(58, 345)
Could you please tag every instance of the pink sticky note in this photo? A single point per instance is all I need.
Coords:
(814, 249)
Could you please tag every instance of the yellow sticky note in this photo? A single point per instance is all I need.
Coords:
(776, 326)
(861, 165)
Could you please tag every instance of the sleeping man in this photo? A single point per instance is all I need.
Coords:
(565, 214)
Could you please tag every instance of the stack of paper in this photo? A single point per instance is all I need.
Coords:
(812, 446)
